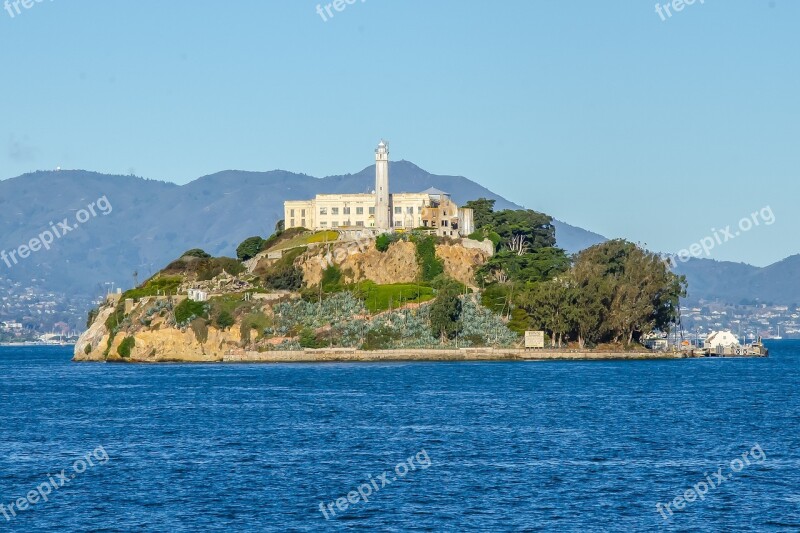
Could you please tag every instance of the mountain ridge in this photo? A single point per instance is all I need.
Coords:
(153, 221)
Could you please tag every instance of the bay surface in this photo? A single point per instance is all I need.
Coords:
(512, 446)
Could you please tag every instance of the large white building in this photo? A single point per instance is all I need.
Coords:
(381, 211)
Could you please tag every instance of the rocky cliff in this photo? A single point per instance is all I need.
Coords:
(398, 264)
(156, 322)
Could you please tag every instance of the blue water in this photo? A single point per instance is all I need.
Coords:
(556, 446)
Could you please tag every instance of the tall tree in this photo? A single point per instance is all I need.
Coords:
(548, 305)
(536, 228)
(482, 211)
(446, 311)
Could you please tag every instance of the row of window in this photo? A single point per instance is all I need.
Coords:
(360, 211)
(409, 210)
(302, 223)
(335, 224)
(345, 210)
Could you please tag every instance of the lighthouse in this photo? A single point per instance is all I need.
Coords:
(382, 205)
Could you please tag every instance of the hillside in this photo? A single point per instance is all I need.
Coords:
(736, 283)
(377, 300)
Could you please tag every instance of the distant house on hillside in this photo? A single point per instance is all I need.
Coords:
(381, 211)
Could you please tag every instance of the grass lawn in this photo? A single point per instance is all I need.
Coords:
(303, 240)
(158, 285)
(378, 298)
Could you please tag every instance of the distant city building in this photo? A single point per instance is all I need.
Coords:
(381, 211)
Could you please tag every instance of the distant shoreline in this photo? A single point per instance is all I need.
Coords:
(34, 343)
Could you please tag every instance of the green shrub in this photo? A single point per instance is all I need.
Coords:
(115, 319)
(430, 265)
(249, 248)
(92, 317)
(212, 268)
(200, 328)
(308, 339)
(381, 338)
(331, 279)
(520, 321)
(87, 349)
(253, 321)
(189, 309)
(382, 242)
(196, 252)
(446, 312)
(224, 320)
(283, 274)
(125, 347)
(231, 303)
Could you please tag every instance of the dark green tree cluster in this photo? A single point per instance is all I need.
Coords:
(614, 293)
(249, 248)
(524, 242)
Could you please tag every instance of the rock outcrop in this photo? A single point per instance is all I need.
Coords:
(398, 264)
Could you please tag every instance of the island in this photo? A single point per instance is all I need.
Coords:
(394, 276)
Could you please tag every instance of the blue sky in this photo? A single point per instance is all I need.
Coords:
(598, 113)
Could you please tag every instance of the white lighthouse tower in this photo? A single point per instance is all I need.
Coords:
(382, 207)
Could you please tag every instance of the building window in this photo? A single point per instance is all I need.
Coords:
(419, 209)
(323, 210)
(359, 210)
(398, 224)
(360, 223)
(303, 213)
(291, 223)
(303, 223)
(398, 210)
(291, 214)
(334, 210)
(371, 210)
(444, 223)
(346, 211)
(334, 224)
(409, 210)
(323, 224)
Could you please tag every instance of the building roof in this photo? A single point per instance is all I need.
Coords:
(435, 192)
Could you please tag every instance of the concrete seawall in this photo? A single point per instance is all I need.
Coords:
(465, 354)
